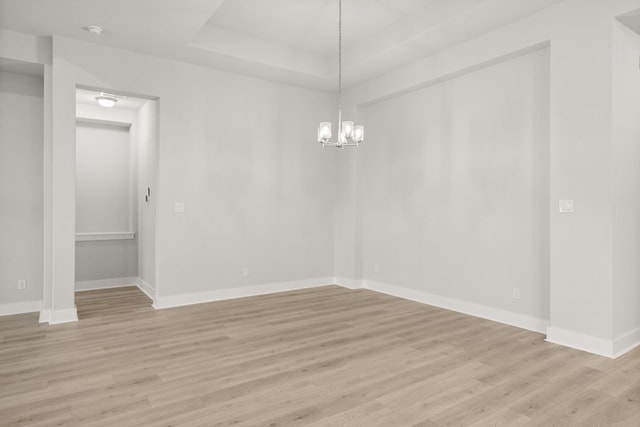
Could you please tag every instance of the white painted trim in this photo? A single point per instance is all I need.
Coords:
(101, 122)
(169, 301)
(45, 316)
(89, 285)
(20, 307)
(348, 283)
(588, 343)
(498, 315)
(147, 289)
(626, 343)
(63, 316)
(107, 235)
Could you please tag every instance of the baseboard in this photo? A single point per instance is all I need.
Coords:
(588, 343)
(348, 283)
(45, 315)
(146, 288)
(626, 343)
(20, 307)
(169, 301)
(472, 309)
(90, 285)
(63, 316)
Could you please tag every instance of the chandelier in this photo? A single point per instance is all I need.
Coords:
(349, 135)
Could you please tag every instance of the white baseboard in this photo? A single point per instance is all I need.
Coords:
(473, 309)
(588, 343)
(63, 316)
(147, 288)
(90, 285)
(20, 307)
(348, 283)
(45, 315)
(626, 343)
(169, 301)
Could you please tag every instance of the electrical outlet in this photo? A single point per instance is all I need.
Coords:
(516, 293)
(22, 285)
(376, 268)
(246, 272)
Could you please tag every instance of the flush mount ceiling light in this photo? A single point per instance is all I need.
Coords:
(106, 100)
(349, 135)
(94, 30)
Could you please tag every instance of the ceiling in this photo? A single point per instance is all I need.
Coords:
(310, 24)
(631, 20)
(292, 41)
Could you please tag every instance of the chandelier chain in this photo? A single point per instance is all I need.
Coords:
(339, 63)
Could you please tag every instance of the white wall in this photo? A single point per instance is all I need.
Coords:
(455, 194)
(240, 153)
(108, 259)
(580, 170)
(37, 50)
(146, 140)
(21, 187)
(626, 181)
(25, 47)
(105, 189)
(103, 178)
(347, 222)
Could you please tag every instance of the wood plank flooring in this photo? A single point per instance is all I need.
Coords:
(320, 357)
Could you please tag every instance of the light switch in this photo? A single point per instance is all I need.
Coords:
(178, 207)
(565, 206)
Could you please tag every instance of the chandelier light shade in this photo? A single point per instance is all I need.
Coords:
(324, 131)
(349, 134)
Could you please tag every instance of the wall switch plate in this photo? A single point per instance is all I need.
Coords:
(178, 207)
(565, 206)
(516, 293)
(246, 272)
(22, 285)
(376, 268)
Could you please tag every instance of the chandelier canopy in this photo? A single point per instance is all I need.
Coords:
(349, 134)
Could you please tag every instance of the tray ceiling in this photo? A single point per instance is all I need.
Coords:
(292, 41)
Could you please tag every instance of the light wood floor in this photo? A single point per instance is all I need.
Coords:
(321, 357)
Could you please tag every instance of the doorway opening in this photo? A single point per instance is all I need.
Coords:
(116, 188)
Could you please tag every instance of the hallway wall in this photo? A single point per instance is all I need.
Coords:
(21, 191)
